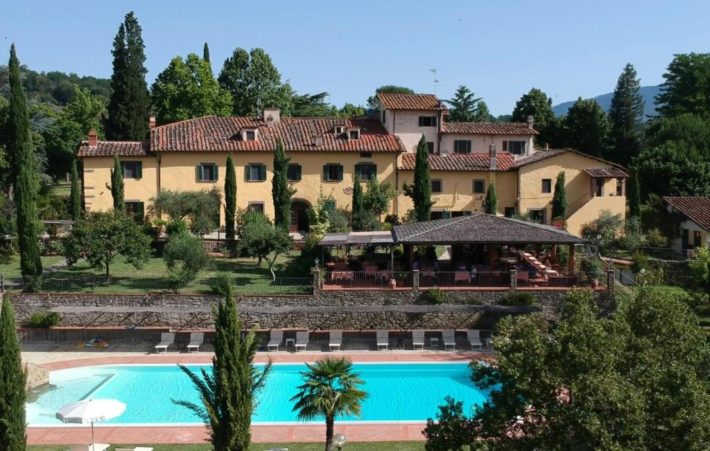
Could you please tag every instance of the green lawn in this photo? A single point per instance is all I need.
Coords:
(10, 265)
(249, 277)
(389, 446)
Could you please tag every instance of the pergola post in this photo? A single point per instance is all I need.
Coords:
(570, 260)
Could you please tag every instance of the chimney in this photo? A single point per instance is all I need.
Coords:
(272, 116)
(93, 138)
(492, 156)
(151, 123)
(531, 122)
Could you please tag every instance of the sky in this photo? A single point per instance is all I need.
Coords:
(499, 49)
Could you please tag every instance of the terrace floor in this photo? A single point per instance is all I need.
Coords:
(54, 356)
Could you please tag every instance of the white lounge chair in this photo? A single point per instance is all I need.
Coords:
(94, 447)
(196, 340)
(449, 337)
(383, 339)
(301, 340)
(336, 339)
(277, 336)
(167, 339)
(418, 339)
(474, 338)
(137, 448)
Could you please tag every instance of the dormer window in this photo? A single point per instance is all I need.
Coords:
(249, 134)
(339, 130)
(354, 133)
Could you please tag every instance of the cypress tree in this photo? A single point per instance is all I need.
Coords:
(206, 54)
(634, 196)
(280, 191)
(625, 115)
(491, 202)
(19, 146)
(559, 199)
(227, 392)
(230, 202)
(117, 185)
(75, 193)
(358, 212)
(129, 104)
(12, 384)
(420, 192)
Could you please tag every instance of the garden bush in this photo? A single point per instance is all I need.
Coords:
(520, 298)
(434, 296)
(43, 320)
(185, 257)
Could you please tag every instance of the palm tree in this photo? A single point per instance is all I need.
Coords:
(330, 388)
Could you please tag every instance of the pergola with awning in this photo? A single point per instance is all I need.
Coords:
(475, 229)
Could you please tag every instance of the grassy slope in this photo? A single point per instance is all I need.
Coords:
(10, 265)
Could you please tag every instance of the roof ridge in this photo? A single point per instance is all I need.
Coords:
(444, 222)
(540, 226)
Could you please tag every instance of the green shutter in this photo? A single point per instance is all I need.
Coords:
(262, 172)
(340, 172)
(374, 172)
(325, 172)
(140, 210)
(216, 172)
(357, 170)
(246, 173)
(198, 173)
(139, 169)
(445, 214)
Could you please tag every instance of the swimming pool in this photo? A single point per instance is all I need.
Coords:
(396, 392)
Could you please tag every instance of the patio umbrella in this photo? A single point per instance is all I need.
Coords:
(89, 411)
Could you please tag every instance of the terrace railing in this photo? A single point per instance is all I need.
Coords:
(451, 279)
(366, 279)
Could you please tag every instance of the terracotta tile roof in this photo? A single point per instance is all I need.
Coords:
(480, 228)
(460, 162)
(607, 173)
(111, 148)
(487, 128)
(396, 101)
(697, 209)
(541, 154)
(213, 133)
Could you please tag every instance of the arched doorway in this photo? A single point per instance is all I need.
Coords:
(299, 215)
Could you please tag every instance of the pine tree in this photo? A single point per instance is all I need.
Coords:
(25, 188)
(491, 201)
(12, 384)
(420, 190)
(129, 105)
(280, 190)
(625, 115)
(230, 202)
(117, 185)
(358, 210)
(634, 196)
(228, 391)
(559, 199)
(75, 193)
(464, 106)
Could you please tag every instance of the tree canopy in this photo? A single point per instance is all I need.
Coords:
(586, 127)
(187, 89)
(686, 88)
(261, 239)
(12, 383)
(199, 208)
(537, 104)
(420, 190)
(626, 117)
(372, 102)
(465, 106)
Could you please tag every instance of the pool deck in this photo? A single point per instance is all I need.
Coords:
(61, 357)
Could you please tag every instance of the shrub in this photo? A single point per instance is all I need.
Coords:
(519, 298)
(655, 238)
(700, 267)
(185, 257)
(639, 262)
(591, 268)
(434, 296)
(43, 320)
(220, 284)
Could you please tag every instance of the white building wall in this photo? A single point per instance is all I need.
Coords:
(405, 124)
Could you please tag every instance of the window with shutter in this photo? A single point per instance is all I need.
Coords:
(366, 171)
(333, 172)
(255, 172)
(293, 173)
(207, 172)
(132, 169)
(462, 146)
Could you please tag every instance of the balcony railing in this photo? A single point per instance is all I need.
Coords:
(447, 279)
(367, 279)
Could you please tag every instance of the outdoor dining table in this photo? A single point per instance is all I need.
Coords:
(342, 275)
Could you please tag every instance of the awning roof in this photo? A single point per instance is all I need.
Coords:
(357, 238)
(481, 228)
(606, 173)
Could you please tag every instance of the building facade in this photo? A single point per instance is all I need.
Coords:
(327, 153)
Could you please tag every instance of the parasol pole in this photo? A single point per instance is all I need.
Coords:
(92, 435)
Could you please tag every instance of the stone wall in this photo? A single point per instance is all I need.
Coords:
(353, 310)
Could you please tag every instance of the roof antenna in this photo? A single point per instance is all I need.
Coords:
(436, 80)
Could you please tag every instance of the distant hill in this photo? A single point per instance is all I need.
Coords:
(647, 92)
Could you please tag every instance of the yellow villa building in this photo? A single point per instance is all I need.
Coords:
(326, 153)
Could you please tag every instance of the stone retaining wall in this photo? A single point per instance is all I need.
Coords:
(367, 309)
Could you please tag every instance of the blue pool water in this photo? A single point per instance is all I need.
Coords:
(396, 392)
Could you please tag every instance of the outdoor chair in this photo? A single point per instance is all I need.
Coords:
(137, 448)
(383, 339)
(196, 340)
(301, 340)
(474, 338)
(418, 339)
(449, 337)
(277, 336)
(167, 339)
(336, 339)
